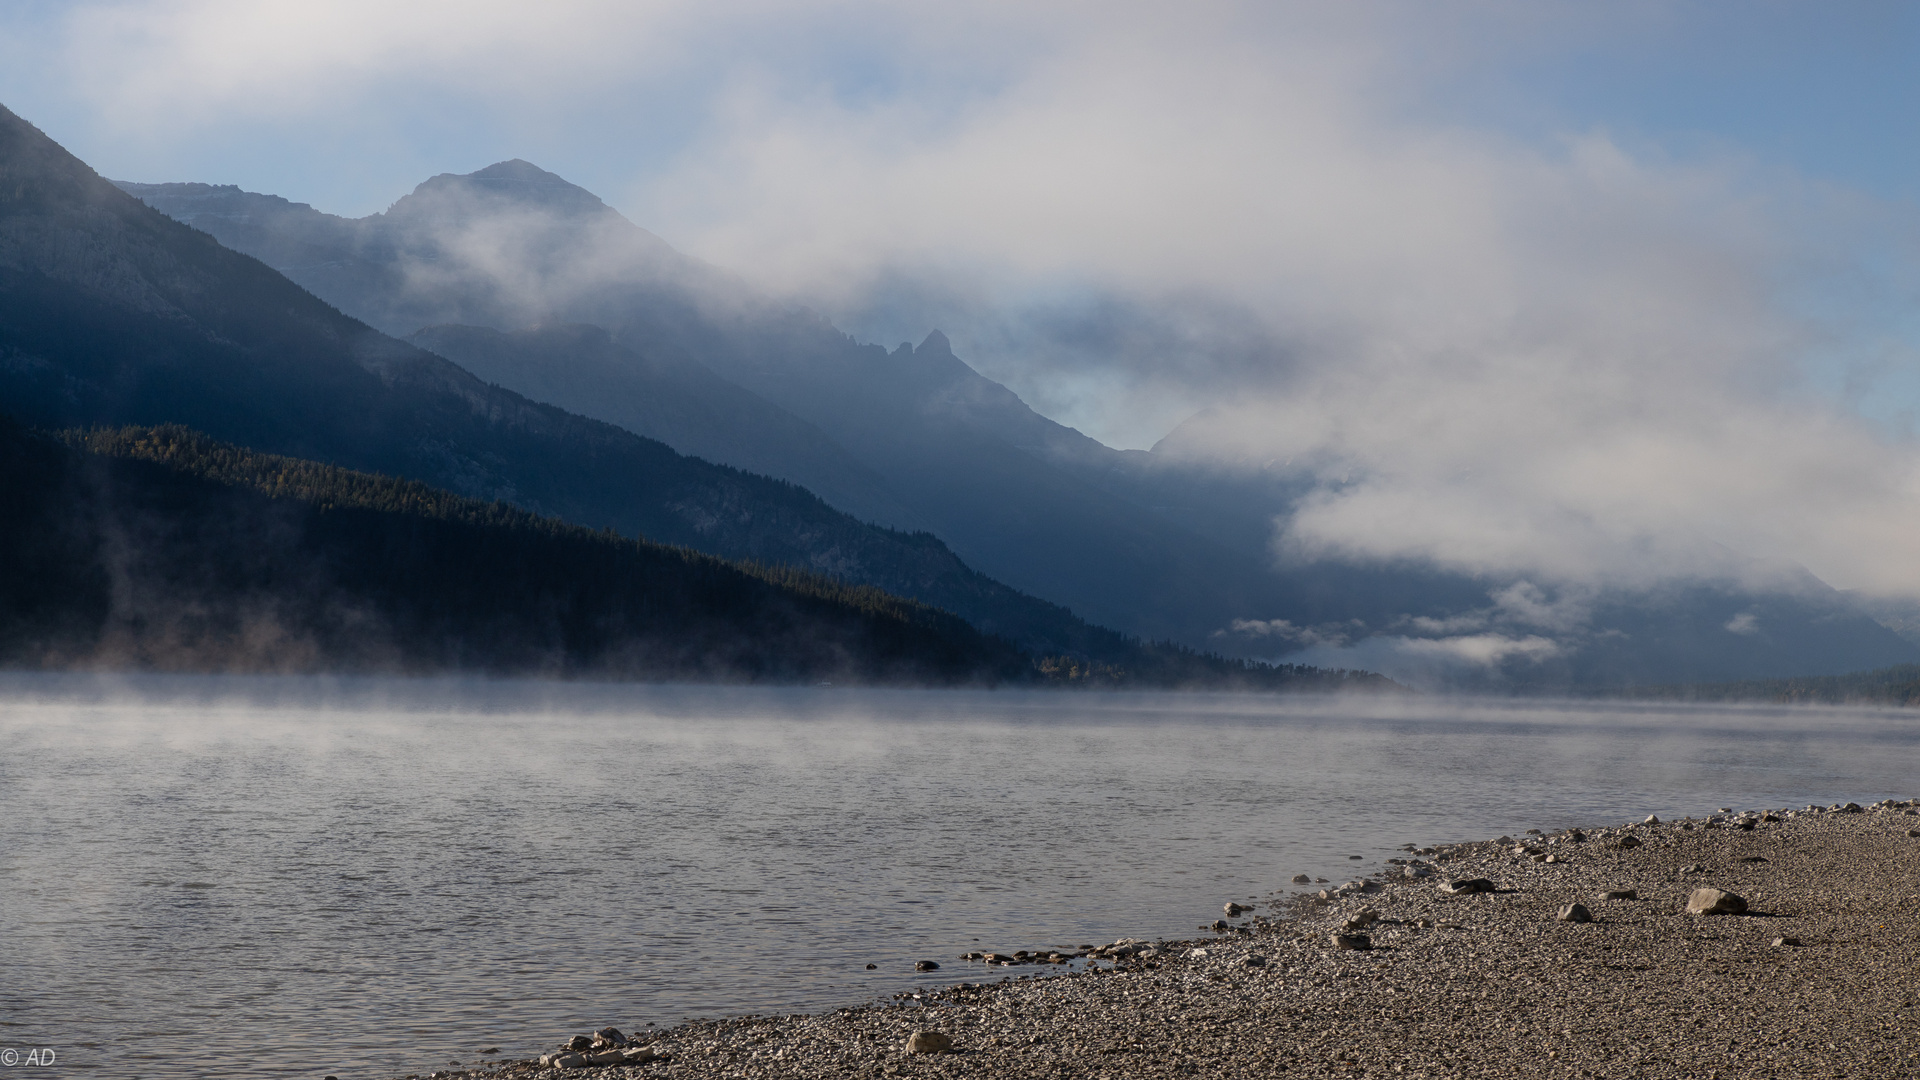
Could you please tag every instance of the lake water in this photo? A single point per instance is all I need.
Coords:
(370, 878)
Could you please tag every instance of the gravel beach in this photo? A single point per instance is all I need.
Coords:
(1467, 960)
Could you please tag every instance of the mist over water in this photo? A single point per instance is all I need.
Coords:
(378, 877)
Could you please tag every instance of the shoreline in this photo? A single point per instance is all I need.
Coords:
(1816, 977)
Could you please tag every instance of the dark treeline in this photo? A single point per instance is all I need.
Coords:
(1897, 685)
(161, 548)
(1168, 665)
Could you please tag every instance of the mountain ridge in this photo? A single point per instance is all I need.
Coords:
(1157, 544)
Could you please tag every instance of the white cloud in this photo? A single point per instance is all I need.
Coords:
(1574, 361)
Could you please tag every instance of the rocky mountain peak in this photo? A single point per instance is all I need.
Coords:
(514, 183)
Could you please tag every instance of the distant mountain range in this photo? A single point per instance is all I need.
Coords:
(112, 314)
(537, 286)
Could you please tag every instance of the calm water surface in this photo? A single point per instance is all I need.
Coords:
(369, 878)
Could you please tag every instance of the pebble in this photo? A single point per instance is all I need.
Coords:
(1715, 902)
(925, 965)
(1467, 886)
(1620, 894)
(1786, 943)
(1353, 942)
(1302, 879)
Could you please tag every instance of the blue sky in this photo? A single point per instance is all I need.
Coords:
(1825, 90)
(1578, 287)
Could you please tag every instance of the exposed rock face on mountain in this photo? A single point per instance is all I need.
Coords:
(1160, 544)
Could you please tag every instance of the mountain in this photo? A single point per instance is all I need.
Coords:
(502, 268)
(114, 314)
(512, 247)
(162, 549)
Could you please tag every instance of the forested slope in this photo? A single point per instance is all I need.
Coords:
(162, 549)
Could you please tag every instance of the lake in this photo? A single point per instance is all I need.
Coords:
(378, 877)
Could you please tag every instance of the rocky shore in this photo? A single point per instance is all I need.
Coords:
(1780, 943)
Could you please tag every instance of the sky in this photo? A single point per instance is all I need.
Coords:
(1592, 292)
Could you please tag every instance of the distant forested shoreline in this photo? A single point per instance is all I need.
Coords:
(1897, 685)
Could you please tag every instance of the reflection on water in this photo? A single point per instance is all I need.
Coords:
(379, 877)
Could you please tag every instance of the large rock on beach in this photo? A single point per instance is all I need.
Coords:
(1575, 913)
(1706, 901)
(929, 1042)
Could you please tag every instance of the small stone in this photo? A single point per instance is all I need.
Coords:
(1627, 842)
(1220, 924)
(1351, 942)
(1575, 913)
(1553, 858)
(873, 967)
(1233, 910)
(1849, 808)
(1695, 868)
(1467, 886)
(1706, 901)
(607, 1057)
(567, 1060)
(609, 1035)
(580, 1042)
(1786, 943)
(1355, 858)
(1620, 894)
(1913, 832)
(1255, 960)
(929, 1042)
(1650, 819)
(925, 965)
(1302, 879)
